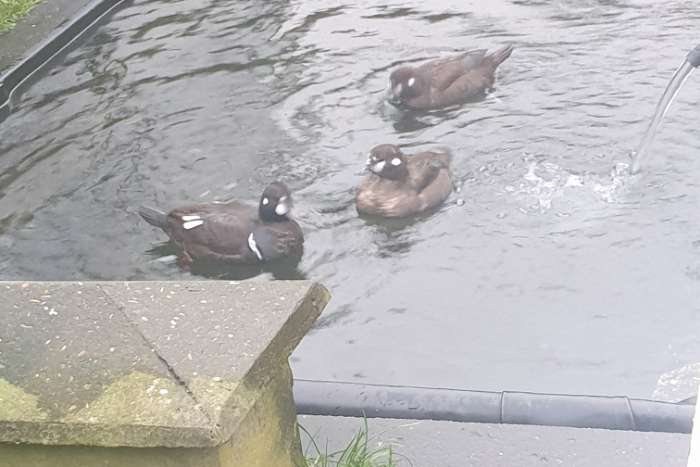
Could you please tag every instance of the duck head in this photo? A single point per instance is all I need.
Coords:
(387, 161)
(275, 202)
(405, 84)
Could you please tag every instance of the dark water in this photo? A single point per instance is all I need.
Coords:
(554, 275)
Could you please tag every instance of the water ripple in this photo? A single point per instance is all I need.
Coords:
(175, 102)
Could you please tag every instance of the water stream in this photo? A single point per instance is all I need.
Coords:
(674, 86)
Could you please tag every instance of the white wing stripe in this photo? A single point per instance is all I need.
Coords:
(192, 224)
(252, 244)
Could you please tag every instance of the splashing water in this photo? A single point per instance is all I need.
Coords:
(674, 86)
(545, 184)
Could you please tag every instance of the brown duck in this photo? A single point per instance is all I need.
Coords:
(401, 185)
(448, 81)
(233, 232)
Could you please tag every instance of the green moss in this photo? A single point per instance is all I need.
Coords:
(266, 434)
(141, 399)
(214, 394)
(12, 10)
(15, 404)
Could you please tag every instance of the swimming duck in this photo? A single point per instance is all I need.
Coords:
(446, 81)
(403, 185)
(232, 231)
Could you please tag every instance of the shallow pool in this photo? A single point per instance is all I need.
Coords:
(559, 273)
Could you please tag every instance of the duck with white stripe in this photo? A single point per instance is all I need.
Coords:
(233, 231)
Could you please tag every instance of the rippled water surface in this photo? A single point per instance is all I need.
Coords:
(556, 274)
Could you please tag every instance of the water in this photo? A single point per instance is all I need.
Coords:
(559, 273)
(674, 86)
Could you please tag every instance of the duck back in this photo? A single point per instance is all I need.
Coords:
(216, 231)
(386, 198)
(458, 79)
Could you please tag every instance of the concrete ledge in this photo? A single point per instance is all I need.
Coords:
(150, 364)
(349, 399)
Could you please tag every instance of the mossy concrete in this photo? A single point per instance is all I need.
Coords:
(267, 436)
(199, 367)
(18, 403)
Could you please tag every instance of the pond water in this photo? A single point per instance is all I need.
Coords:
(558, 273)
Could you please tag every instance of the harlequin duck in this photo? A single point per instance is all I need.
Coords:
(233, 231)
(401, 185)
(447, 81)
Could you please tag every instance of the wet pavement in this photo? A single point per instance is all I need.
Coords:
(420, 443)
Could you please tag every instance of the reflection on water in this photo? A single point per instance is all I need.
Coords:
(550, 261)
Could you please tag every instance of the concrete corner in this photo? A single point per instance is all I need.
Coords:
(97, 370)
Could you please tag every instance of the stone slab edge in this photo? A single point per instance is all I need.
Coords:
(58, 41)
(306, 311)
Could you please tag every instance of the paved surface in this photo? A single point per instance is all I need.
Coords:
(35, 28)
(449, 444)
(142, 363)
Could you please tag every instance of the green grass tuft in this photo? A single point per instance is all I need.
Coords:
(356, 454)
(12, 10)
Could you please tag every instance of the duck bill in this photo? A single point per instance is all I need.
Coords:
(394, 95)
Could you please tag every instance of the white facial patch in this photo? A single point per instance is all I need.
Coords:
(378, 167)
(192, 224)
(396, 162)
(282, 208)
(411, 82)
(265, 201)
(190, 218)
(253, 245)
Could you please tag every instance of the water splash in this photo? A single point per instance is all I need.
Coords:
(609, 189)
(545, 183)
(674, 86)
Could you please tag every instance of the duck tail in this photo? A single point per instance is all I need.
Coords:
(154, 217)
(445, 155)
(499, 56)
